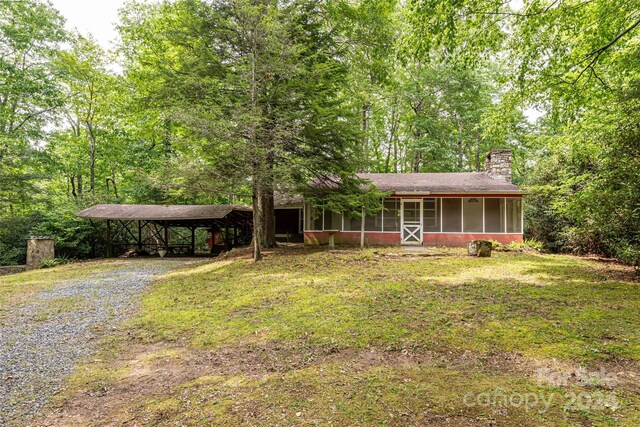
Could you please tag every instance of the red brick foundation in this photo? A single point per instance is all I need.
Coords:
(461, 239)
(376, 238)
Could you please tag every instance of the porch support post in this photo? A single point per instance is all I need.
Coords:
(139, 236)
(362, 229)
(109, 248)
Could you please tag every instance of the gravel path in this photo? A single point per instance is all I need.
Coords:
(42, 341)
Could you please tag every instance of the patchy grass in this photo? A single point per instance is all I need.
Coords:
(374, 337)
(542, 306)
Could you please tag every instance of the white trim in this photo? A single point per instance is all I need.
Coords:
(483, 215)
(412, 193)
(419, 231)
(521, 216)
(462, 214)
(505, 214)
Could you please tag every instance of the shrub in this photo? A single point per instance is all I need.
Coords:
(48, 263)
(529, 245)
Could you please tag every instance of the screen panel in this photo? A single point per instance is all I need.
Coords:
(431, 215)
(494, 215)
(514, 215)
(391, 215)
(452, 214)
(472, 214)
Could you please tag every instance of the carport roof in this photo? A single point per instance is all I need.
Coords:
(161, 212)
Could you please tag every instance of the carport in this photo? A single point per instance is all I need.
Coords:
(171, 228)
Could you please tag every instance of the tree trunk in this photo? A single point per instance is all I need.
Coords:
(72, 181)
(391, 143)
(365, 130)
(416, 161)
(92, 163)
(269, 218)
(258, 176)
(460, 146)
(258, 221)
(80, 188)
(115, 188)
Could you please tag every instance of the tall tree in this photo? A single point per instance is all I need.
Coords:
(30, 36)
(256, 84)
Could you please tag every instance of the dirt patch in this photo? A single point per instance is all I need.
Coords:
(159, 371)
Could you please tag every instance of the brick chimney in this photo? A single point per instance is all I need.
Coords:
(497, 164)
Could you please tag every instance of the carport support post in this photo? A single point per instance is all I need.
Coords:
(166, 236)
(109, 249)
(193, 240)
(139, 236)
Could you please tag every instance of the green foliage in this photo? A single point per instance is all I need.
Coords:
(587, 197)
(220, 100)
(529, 245)
(30, 33)
(48, 263)
(14, 232)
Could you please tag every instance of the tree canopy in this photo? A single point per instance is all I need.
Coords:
(211, 101)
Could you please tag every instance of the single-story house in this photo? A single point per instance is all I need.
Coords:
(420, 209)
(431, 209)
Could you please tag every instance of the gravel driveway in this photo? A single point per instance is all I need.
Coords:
(41, 341)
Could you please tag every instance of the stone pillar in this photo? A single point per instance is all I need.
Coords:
(498, 164)
(38, 249)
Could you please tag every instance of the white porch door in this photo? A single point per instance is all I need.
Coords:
(411, 217)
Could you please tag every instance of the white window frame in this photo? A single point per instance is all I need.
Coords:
(483, 216)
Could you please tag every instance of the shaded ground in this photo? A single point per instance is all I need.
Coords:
(373, 337)
(44, 334)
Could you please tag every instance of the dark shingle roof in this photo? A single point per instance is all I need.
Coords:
(160, 212)
(284, 200)
(461, 182)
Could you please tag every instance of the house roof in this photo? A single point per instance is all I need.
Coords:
(459, 182)
(160, 212)
(285, 200)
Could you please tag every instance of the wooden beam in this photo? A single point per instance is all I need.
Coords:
(109, 247)
(166, 236)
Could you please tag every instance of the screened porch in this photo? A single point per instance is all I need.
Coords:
(473, 215)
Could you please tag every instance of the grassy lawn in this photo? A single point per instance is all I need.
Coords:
(373, 337)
